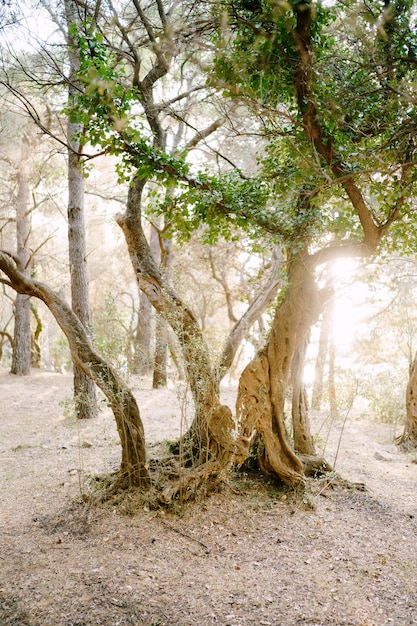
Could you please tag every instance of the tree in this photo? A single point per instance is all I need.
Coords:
(84, 389)
(314, 164)
(21, 356)
(133, 470)
(292, 42)
(330, 99)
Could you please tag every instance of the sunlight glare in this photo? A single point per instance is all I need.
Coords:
(351, 307)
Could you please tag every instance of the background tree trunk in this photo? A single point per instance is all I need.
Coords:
(334, 411)
(409, 436)
(303, 440)
(322, 354)
(142, 350)
(84, 389)
(160, 376)
(35, 347)
(21, 354)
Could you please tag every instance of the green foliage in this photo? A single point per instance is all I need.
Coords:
(362, 76)
(360, 88)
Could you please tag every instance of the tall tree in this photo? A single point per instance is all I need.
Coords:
(84, 388)
(330, 90)
(21, 355)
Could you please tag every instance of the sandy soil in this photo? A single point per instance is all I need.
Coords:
(250, 555)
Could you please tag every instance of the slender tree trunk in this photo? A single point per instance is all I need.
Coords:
(325, 329)
(142, 357)
(133, 470)
(303, 440)
(84, 389)
(21, 355)
(35, 347)
(334, 411)
(160, 377)
(212, 427)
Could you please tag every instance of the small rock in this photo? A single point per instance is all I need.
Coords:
(87, 444)
(384, 456)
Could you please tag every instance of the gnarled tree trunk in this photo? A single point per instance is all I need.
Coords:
(263, 384)
(211, 430)
(133, 470)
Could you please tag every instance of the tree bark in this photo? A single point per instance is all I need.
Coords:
(21, 354)
(263, 384)
(133, 470)
(211, 430)
(84, 389)
(303, 440)
(409, 435)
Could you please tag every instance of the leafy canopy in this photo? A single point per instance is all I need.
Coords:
(355, 89)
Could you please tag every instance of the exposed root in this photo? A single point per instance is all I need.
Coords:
(406, 443)
(315, 465)
(171, 483)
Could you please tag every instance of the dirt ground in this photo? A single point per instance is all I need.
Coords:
(252, 555)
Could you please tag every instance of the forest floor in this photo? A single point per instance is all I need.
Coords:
(251, 555)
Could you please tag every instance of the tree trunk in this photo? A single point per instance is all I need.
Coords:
(133, 470)
(211, 430)
(21, 356)
(325, 329)
(160, 375)
(142, 354)
(35, 347)
(263, 384)
(84, 390)
(334, 411)
(409, 436)
(160, 378)
(303, 440)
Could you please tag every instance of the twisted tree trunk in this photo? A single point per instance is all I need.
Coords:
(133, 470)
(211, 430)
(263, 384)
